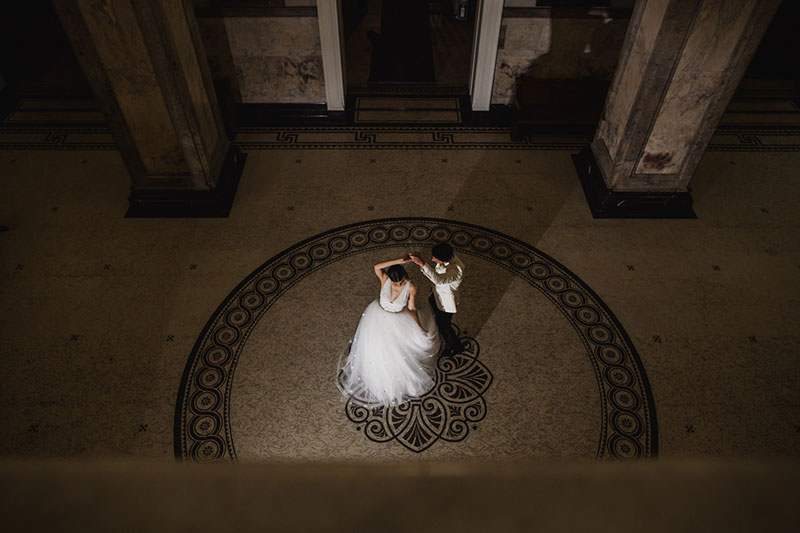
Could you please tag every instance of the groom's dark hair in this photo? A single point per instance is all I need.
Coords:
(442, 252)
(397, 273)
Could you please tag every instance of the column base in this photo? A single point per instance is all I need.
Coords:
(605, 203)
(173, 203)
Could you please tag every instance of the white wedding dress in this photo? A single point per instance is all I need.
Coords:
(391, 359)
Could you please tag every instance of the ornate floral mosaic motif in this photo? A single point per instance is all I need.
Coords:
(447, 411)
(627, 425)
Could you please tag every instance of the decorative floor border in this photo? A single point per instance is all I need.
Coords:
(403, 138)
(627, 425)
(759, 138)
(50, 137)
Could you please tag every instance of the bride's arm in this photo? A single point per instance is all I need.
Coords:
(378, 268)
(412, 291)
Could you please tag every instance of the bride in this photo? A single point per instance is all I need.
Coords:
(392, 352)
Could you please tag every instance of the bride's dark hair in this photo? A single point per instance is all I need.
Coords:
(396, 273)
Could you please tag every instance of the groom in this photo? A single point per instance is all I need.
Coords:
(446, 275)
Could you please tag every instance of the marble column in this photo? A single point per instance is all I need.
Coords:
(145, 63)
(679, 66)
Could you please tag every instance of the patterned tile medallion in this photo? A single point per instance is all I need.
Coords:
(447, 411)
(628, 428)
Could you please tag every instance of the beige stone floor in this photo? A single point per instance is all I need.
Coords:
(99, 313)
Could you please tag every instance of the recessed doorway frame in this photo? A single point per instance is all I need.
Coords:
(489, 15)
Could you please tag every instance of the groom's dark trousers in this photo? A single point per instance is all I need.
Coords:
(443, 320)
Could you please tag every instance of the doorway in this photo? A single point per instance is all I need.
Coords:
(408, 61)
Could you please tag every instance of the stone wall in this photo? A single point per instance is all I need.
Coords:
(278, 59)
(552, 45)
(271, 59)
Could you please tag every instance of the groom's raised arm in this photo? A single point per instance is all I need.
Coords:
(452, 274)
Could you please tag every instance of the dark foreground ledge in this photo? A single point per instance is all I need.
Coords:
(654, 496)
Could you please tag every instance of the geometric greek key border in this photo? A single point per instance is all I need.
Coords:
(68, 137)
(627, 425)
(401, 138)
(762, 138)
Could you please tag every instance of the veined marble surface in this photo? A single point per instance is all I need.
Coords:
(702, 71)
(272, 59)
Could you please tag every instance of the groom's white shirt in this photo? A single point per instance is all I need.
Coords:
(445, 285)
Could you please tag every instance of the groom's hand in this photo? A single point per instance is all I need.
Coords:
(417, 261)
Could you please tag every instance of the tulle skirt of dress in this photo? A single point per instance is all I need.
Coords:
(391, 359)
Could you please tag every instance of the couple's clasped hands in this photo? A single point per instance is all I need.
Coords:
(414, 257)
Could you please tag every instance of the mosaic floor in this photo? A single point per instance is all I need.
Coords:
(567, 381)
(115, 344)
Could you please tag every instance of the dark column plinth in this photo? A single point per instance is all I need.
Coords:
(182, 203)
(605, 203)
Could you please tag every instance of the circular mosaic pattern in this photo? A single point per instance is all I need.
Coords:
(628, 428)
